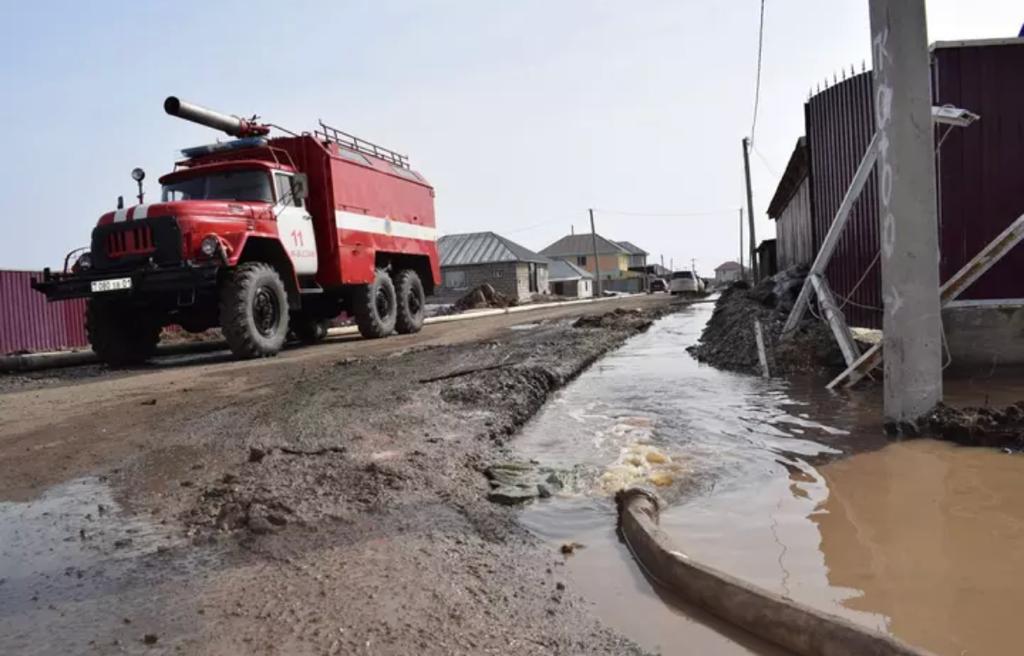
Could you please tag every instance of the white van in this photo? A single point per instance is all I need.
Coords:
(685, 282)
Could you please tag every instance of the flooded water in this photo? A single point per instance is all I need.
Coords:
(67, 559)
(786, 486)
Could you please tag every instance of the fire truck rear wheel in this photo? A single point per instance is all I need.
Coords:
(254, 310)
(411, 302)
(120, 334)
(376, 306)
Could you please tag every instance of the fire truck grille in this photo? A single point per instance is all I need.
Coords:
(133, 240)
(127, 244)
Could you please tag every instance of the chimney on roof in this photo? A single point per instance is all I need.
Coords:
(572, 229)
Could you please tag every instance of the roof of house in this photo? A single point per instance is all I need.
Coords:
(582, 244)
(796, 170)
(483, 248)
(564, 270)
(632, 248)
(728, 266)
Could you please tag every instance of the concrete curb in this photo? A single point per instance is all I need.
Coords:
(794, 626)
(480, 314)
(58, 359)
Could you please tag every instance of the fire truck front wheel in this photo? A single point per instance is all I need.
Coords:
(411, 302)
(376, 306)
(121, 335)
(254, 310)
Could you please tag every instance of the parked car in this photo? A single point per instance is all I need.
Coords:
(658, 285)
(685, 282)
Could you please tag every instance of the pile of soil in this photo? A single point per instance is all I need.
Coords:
(994, 427)
(728, 340)
(482, 297)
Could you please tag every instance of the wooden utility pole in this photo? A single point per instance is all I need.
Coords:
(750, 207)
(743, 275)
(912, 328)
(597, 262)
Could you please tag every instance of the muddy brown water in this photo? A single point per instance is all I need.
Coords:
(784, 485)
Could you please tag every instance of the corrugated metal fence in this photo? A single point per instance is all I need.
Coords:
(980, 180)
(981, 167)
(29, 323)
(840, 124)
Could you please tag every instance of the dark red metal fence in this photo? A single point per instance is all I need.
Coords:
(981, 168)
(840, 123)
(29, 323)
(980, 172)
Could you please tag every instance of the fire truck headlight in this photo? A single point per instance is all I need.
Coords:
(209, 246)
(84, 262)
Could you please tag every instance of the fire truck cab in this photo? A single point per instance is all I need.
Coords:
(263, 237)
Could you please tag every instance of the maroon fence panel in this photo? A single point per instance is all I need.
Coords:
(29, 323)
(981, 167)
(980, 173)
(840, 124)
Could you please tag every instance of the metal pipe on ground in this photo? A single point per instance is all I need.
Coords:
(60, 359)
(794, 626)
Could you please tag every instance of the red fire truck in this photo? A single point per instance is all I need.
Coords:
(261, 236)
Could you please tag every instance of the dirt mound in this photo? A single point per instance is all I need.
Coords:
(1002, 428)
(728, 340)
(481, 297)
(618, 318)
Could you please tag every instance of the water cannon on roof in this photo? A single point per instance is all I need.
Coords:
(231, 125)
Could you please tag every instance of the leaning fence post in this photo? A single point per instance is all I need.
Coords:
(761, 354)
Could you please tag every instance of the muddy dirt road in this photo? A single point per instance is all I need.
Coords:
(329, 500)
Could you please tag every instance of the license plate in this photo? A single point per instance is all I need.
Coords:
(111, 285)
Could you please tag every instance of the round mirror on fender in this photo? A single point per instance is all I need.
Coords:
(138, 174)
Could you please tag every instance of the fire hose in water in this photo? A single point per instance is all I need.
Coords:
(799, 628)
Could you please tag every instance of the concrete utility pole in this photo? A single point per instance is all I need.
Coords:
(912, 326)
(597, 262)
(750, 207)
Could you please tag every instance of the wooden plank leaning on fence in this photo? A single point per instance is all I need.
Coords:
(949, 291)
(835, 231)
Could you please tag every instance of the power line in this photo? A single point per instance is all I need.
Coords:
(764, 160)
(757, 85)
(666, 214)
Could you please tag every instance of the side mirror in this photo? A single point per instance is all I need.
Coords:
(300, 186)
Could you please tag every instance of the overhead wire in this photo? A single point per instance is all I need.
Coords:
(666, 214)
(757, 84)
(764, 160)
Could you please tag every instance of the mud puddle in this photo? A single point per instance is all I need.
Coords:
(66, 558)
(921, 539)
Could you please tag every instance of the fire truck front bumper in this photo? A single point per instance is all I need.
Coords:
(182, 279)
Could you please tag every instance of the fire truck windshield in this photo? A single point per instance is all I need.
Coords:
(244, 185)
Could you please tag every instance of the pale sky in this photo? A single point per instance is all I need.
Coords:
(521, 114)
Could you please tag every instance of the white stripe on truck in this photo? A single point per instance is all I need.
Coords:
(378, 226)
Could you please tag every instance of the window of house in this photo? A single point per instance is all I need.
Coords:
(455, 279)
(497, 273)
(581, 260)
